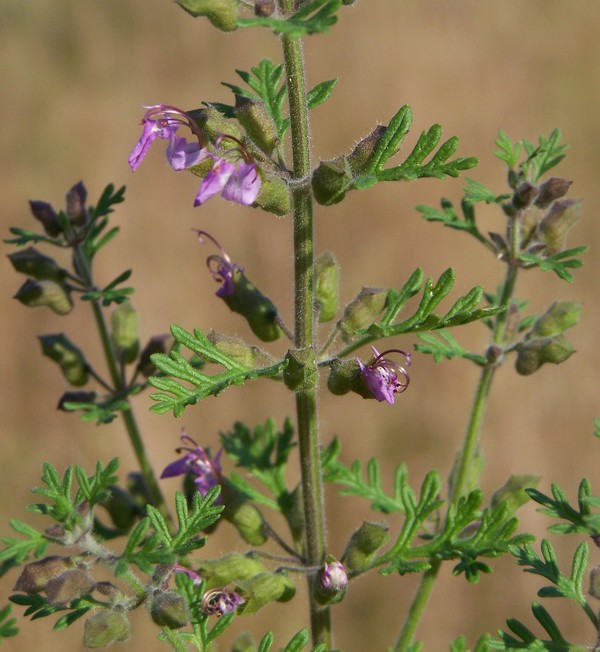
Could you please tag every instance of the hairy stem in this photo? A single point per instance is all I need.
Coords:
(118, 386)
(306, 399)
(466, 472)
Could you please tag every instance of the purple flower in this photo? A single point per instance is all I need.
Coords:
(385, 378)
(220, 267)
(218, 602)
(196, 579)
(238, 183)
(161, 121)
(197, 461)
(182, 155)
(234, 174)
(333, 576)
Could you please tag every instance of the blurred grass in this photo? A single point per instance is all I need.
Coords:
(74, 76)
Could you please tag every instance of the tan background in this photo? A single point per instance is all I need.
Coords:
(73, 78)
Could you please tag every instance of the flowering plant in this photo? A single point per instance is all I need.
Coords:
(150, 544)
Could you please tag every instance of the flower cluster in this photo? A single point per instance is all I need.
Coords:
(385, 378)
(196, 461)
(233, 173)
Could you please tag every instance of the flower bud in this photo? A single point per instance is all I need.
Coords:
(260, 312)
(274, 196)
(221, 13)
(595, 582)
(105, 627)
(556, 224)
(513, 493)
(70, 359)
(121, 507)
(76, 210)
(259, 125)
(524, 195)
(327, 280)
(68, 586)
(234, 348)
(35, 576)
(75, 397)
(345, 376)
(32, 262)
(331, 583)
(125, 332)
(362, 311)
(363, 545)
(229, 569)
(45, 293)
(301, 372)
(331, 180)
(46, 215)
(558, 318)
(264, 588)
(360, 158)
(169, 609)
(553, 189)
(532, 354)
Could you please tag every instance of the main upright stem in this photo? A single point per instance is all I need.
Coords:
(306, 399)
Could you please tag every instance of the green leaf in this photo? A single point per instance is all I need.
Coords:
(174, 396)
(476, 192)
(264, 453)
(392, 139)
(508, 151)
(8, 627)
(370, 488)
(314, 17)
(560, 263)
(320, 93)
(463, 311)
(444, 345)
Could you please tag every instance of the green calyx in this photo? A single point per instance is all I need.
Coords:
(169, 609)
(105, 627)
(363, 545)
(125, 332)
(69, 358)
(231, 568)
(260, 312)
(45, 293)
(362, 311)
(327, 280)
(222, 14)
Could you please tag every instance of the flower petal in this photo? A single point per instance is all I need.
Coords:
(182, 154)
(178, 467)
(243, 185)
(214, 181)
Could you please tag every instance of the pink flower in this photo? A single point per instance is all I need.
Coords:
(385, 378)
(238, 183)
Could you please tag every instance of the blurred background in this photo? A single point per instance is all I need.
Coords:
(74, 76)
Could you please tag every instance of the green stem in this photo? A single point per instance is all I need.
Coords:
(467, 473)
(306, 399)
(118, 386)
(417, 607)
